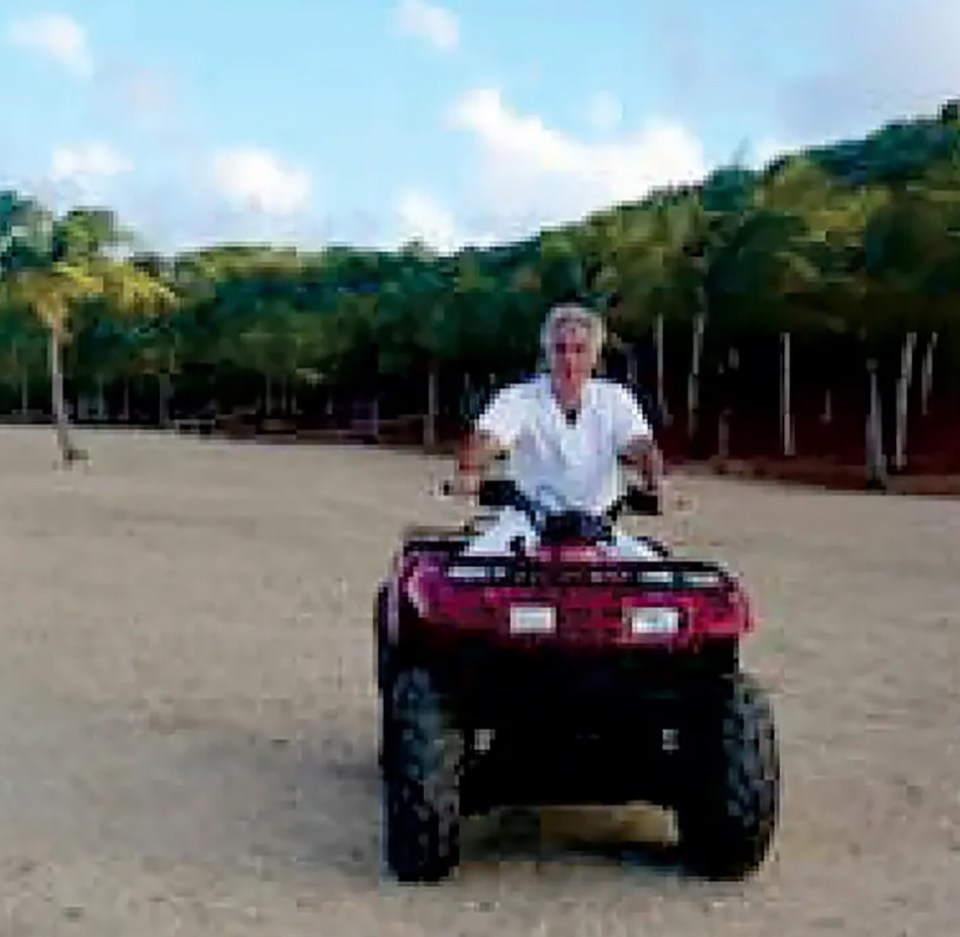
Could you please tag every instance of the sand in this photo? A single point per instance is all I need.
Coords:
(188, 717)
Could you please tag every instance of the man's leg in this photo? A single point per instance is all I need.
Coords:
(632, 548)
(497, 539)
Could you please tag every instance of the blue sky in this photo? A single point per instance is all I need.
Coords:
(377, 120)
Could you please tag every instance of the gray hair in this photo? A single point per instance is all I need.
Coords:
(572, 314)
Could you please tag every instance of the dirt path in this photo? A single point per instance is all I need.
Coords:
(187, 718)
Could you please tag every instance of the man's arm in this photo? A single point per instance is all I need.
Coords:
(494, 433)
(476, 452)
(643, 453)
(637, 444)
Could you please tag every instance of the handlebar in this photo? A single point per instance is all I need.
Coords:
(637, 500)
(500, 492)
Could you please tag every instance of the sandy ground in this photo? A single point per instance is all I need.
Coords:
(187, 716)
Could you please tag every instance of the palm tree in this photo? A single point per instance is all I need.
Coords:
(49, 292)
(67, 267)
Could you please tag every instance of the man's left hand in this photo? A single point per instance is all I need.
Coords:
(644, 456)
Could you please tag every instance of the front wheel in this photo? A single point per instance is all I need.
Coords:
(731, 789)
(423, 752)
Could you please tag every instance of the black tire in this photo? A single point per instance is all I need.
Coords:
(380, 635)
(422, 755)
(730, 808)
(381, 662)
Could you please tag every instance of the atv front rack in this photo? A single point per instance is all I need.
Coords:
(660, 574)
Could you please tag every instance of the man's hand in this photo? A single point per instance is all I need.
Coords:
(476, 454)
(644, 455)
(464, 485)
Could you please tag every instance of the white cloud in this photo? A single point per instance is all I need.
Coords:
(147, 90)
(604, 111)
(767, 149)
(857, 69)
(428, 21)
(545, 176)
(82, 168)
(252, 178)
(423, 218)
(91, 158)
(56, 36)
(879, 72)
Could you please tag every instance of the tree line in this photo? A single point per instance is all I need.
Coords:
(809, 305)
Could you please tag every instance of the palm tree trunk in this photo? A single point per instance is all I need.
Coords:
(723, 432)
(163, 398)
(69, 451)
(430, 425)
(876, 470)
(693, 383)
(927, 375)
(101, 398)
(786, 408)
(903, 400)
(661, 378)
(633, 373)
(165, 391)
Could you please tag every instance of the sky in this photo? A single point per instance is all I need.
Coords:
(464, 121)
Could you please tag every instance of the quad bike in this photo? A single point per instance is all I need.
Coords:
(568, 676)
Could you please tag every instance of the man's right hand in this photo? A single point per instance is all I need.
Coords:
(476, 453)
(464, 485)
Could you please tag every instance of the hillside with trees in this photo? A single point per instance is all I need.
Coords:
(806, 309)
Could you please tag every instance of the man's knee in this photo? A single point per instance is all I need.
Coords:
(633, 548)
(498, 539)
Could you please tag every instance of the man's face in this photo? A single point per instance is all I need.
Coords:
(571, 357)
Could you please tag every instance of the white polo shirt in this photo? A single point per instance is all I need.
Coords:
(578, 460)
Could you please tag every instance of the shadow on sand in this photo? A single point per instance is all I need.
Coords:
(321, 812)
(306, 807)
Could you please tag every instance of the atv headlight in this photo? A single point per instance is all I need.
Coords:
(532, 619)
(653, 620)
(466, 572)
(702, 579)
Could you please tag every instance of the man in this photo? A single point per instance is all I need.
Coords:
(565, 431)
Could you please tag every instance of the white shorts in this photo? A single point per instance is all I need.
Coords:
(496, 539)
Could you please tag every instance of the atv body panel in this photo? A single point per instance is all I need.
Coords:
(571, 676)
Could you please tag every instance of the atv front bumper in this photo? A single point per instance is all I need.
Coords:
(580, 688)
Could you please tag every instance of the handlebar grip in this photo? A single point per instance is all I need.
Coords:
(643, 501)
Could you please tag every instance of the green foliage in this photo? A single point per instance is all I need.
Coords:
(859, 240)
